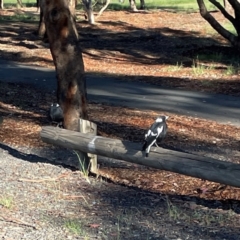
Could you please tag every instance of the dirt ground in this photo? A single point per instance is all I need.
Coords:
(165, 50)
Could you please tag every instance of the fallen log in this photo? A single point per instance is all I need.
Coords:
(169, 160)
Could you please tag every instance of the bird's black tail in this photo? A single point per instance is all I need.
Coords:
(144, 146)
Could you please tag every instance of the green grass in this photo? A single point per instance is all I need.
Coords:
(76, 227)
(82, 167)
(175, 68)
(211, 57)
(231, 70)
(6, 202)
(175, 5)
(231, 64)
(230, 60)
(20, 18)
(14, 3)
(227, 25)
(197, 68)
(230, 28)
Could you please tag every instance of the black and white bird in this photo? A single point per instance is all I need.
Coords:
(157, 131)
(56, 113)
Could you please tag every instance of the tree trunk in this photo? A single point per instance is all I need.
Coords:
(88, 8)
(1, 4)
(38, 5)
(20, 3)
(42, 4)
(216, 25)
(133, 6)
(72, 6)
(235, 5)
(41, 26)
(142, 5)
(103, 8)
(68, 61)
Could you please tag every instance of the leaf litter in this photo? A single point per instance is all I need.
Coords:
(24, 116)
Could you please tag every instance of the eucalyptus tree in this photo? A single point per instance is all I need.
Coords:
(230, 9)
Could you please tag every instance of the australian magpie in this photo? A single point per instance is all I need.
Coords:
(56, 113)
(157, 131)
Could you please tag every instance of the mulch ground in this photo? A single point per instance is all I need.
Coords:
(161, 51)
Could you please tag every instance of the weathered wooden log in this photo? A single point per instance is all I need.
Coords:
(179, 162)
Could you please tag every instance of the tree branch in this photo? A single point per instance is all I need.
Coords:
(223, 11)
(103, 8)
(214, 23)
(235, 4)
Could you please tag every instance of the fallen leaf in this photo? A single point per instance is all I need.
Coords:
(94, 225)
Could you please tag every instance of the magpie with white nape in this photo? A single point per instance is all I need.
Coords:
(157, 131)
(56, 114)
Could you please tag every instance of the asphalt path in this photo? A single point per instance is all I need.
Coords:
(112, 90)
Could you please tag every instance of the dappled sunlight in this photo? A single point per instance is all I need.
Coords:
(173, 52)
(18, 132)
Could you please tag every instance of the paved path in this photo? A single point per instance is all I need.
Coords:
(222, 108)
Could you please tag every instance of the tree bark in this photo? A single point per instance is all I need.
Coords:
(223, 10)
(1, 4)
(20, 3)
(236, 7)
(218, 27)
(228, 7)
(103, 8)
(42, 4)
(41, 25)
(68, 61)
(183, 163)
(133, 6)
(88, 8)
(142, 4)
(38, 5)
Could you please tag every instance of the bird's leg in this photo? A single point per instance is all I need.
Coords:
(156, 144)
(60, 125)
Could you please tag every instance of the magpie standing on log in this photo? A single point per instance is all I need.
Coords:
(157, 131)
(56, 114)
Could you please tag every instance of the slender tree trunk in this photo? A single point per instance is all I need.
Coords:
(20, 3)
(234, 7)
(103, 8)
(88, 7)
(142, 5)
(1, 4)
(72, 6)
(38, 5)
(133, 6)
(68, 61)
(41, 25)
